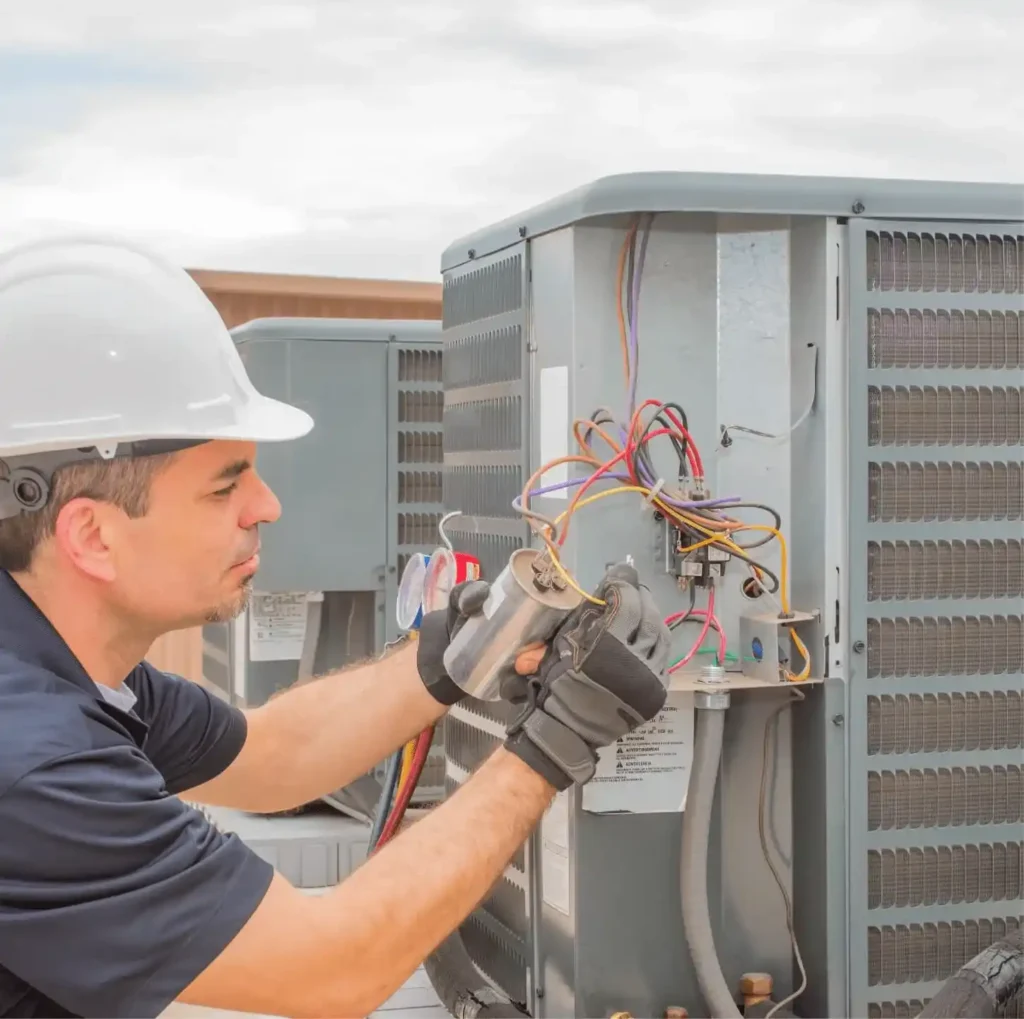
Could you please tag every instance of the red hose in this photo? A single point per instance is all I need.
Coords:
(419, 760)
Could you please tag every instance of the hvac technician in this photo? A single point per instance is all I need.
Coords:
(129, 507)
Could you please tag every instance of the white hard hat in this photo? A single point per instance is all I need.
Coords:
(105, 346)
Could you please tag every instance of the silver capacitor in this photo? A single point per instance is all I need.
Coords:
(527, 603)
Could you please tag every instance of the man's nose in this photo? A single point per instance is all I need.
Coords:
(262, 506)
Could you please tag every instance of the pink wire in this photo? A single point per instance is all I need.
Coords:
(710, 622)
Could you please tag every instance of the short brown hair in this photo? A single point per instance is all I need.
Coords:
(124, 482)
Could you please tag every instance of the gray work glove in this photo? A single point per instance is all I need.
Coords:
(603, 676)
(436, 632)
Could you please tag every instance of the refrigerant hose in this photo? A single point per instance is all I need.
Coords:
(990, 985)
(463, 992)
(693, 867)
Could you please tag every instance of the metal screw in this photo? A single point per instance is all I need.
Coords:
(858, 208)
(471, 252)
(838, 719)
(859, 647)
(522, 231)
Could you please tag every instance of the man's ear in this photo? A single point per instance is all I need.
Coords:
(82, 536)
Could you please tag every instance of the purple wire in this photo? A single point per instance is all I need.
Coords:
(638, 271)
(710, 503)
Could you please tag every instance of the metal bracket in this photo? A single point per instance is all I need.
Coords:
(761, 643)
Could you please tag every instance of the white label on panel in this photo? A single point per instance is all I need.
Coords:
(554, 857)
(237, 629)
(554, 426)
(277, 626)
(648, 771)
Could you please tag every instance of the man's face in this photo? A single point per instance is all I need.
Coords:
(191, 558)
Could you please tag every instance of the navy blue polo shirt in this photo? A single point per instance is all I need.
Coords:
(114, 895)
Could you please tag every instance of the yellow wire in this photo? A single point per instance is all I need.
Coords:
(725, 540)
(805, 672)
(407, 753)
(553, 552)
(713, 537)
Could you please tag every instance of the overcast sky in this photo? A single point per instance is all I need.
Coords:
(359, 138)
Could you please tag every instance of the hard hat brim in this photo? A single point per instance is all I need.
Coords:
(268, 420)
(261, 419)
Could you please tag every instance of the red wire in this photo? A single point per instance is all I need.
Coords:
(603, 469)
(709, 620)
(692, 453)
(419, 759)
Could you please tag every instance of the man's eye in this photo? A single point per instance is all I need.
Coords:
(226, 491)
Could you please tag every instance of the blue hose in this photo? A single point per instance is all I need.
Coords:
(387, 797)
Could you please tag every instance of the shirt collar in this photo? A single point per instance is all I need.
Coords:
(28, 635)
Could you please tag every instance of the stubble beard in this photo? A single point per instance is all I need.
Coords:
(227, 611)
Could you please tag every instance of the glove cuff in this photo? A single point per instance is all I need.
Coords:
(444, 690)
(553, 750)
(433, 639)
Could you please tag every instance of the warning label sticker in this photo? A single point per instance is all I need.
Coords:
(277, 626)
(554, 833)
(648, 771)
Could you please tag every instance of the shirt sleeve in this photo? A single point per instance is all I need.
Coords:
(114, 895)
(193, 734)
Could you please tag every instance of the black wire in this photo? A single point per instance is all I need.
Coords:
(686, 615)
(641, 455)
(768, 509)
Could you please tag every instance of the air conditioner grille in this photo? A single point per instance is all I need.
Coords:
(944, 875)
(417, 447)
(940, 492)
(417, 365)
(914, 953)
(484, 425)
(944, 798)
(913, 570)
(418, 528)
(937, 588)
(486, 390)
(945, 723)
(420, 406)
(467, 746)
(506, 902)
(953, 646)
(500, 961)
(484, 491)
(420, 486)
(484, 358)
(483, 293)
(944, 416)
(953, 262)
(896, 1009)
(944, 339)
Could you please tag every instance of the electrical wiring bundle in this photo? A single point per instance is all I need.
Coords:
(704, 533)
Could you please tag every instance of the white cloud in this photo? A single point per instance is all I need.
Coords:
(342, 137)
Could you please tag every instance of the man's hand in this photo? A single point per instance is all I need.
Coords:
(436, 632)
(603, 676)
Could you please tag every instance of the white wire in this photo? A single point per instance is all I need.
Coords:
(440, 528)
(768, 437)
(762, 803)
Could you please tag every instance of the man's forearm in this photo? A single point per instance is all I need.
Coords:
(346, 952)
(318, 736)
(422, 885)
